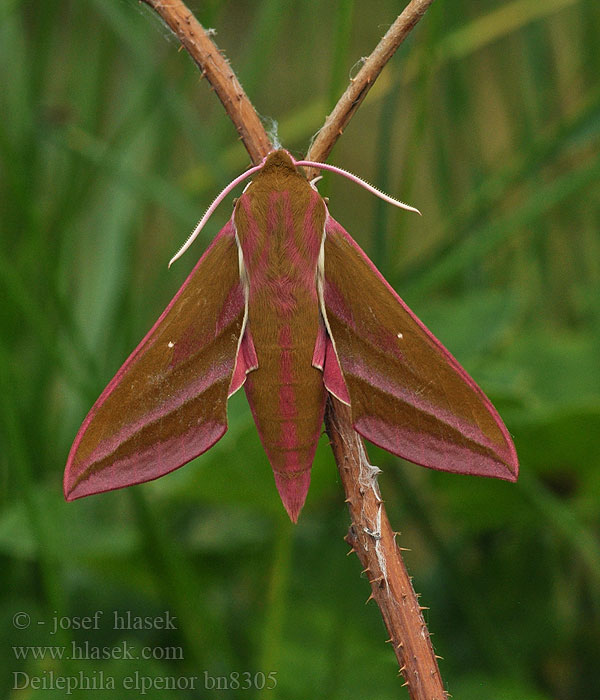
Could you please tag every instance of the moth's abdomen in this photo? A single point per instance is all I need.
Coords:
(287, 398)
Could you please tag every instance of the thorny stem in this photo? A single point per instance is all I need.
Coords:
(359, 86)
(370, 534)
(372, 538)
(217, 71)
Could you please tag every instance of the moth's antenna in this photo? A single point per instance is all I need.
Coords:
(218, 199)
(358, 181)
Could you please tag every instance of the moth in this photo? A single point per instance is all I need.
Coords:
(286, 304)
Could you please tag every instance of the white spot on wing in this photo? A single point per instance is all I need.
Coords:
(400, 335)
(170, 344)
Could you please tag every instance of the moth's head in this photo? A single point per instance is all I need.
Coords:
(278, 173)
(279, 162)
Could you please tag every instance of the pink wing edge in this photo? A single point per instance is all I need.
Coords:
(332, 227)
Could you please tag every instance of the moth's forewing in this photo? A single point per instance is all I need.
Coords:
(408, 393)
(167, 403)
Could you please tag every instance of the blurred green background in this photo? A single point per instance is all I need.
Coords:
(488, 120)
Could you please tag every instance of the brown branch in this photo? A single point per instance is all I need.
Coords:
(359, 86)
(372, 538)
(217, 70)
(370, 534)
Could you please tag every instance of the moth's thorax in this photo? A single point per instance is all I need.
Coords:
(279, 221)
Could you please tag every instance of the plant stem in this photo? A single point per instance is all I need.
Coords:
(359, 86)
(198, 43)
(372, 538)
(370, 534)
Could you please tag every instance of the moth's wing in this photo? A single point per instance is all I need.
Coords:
(167, 403)
(407, 393)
